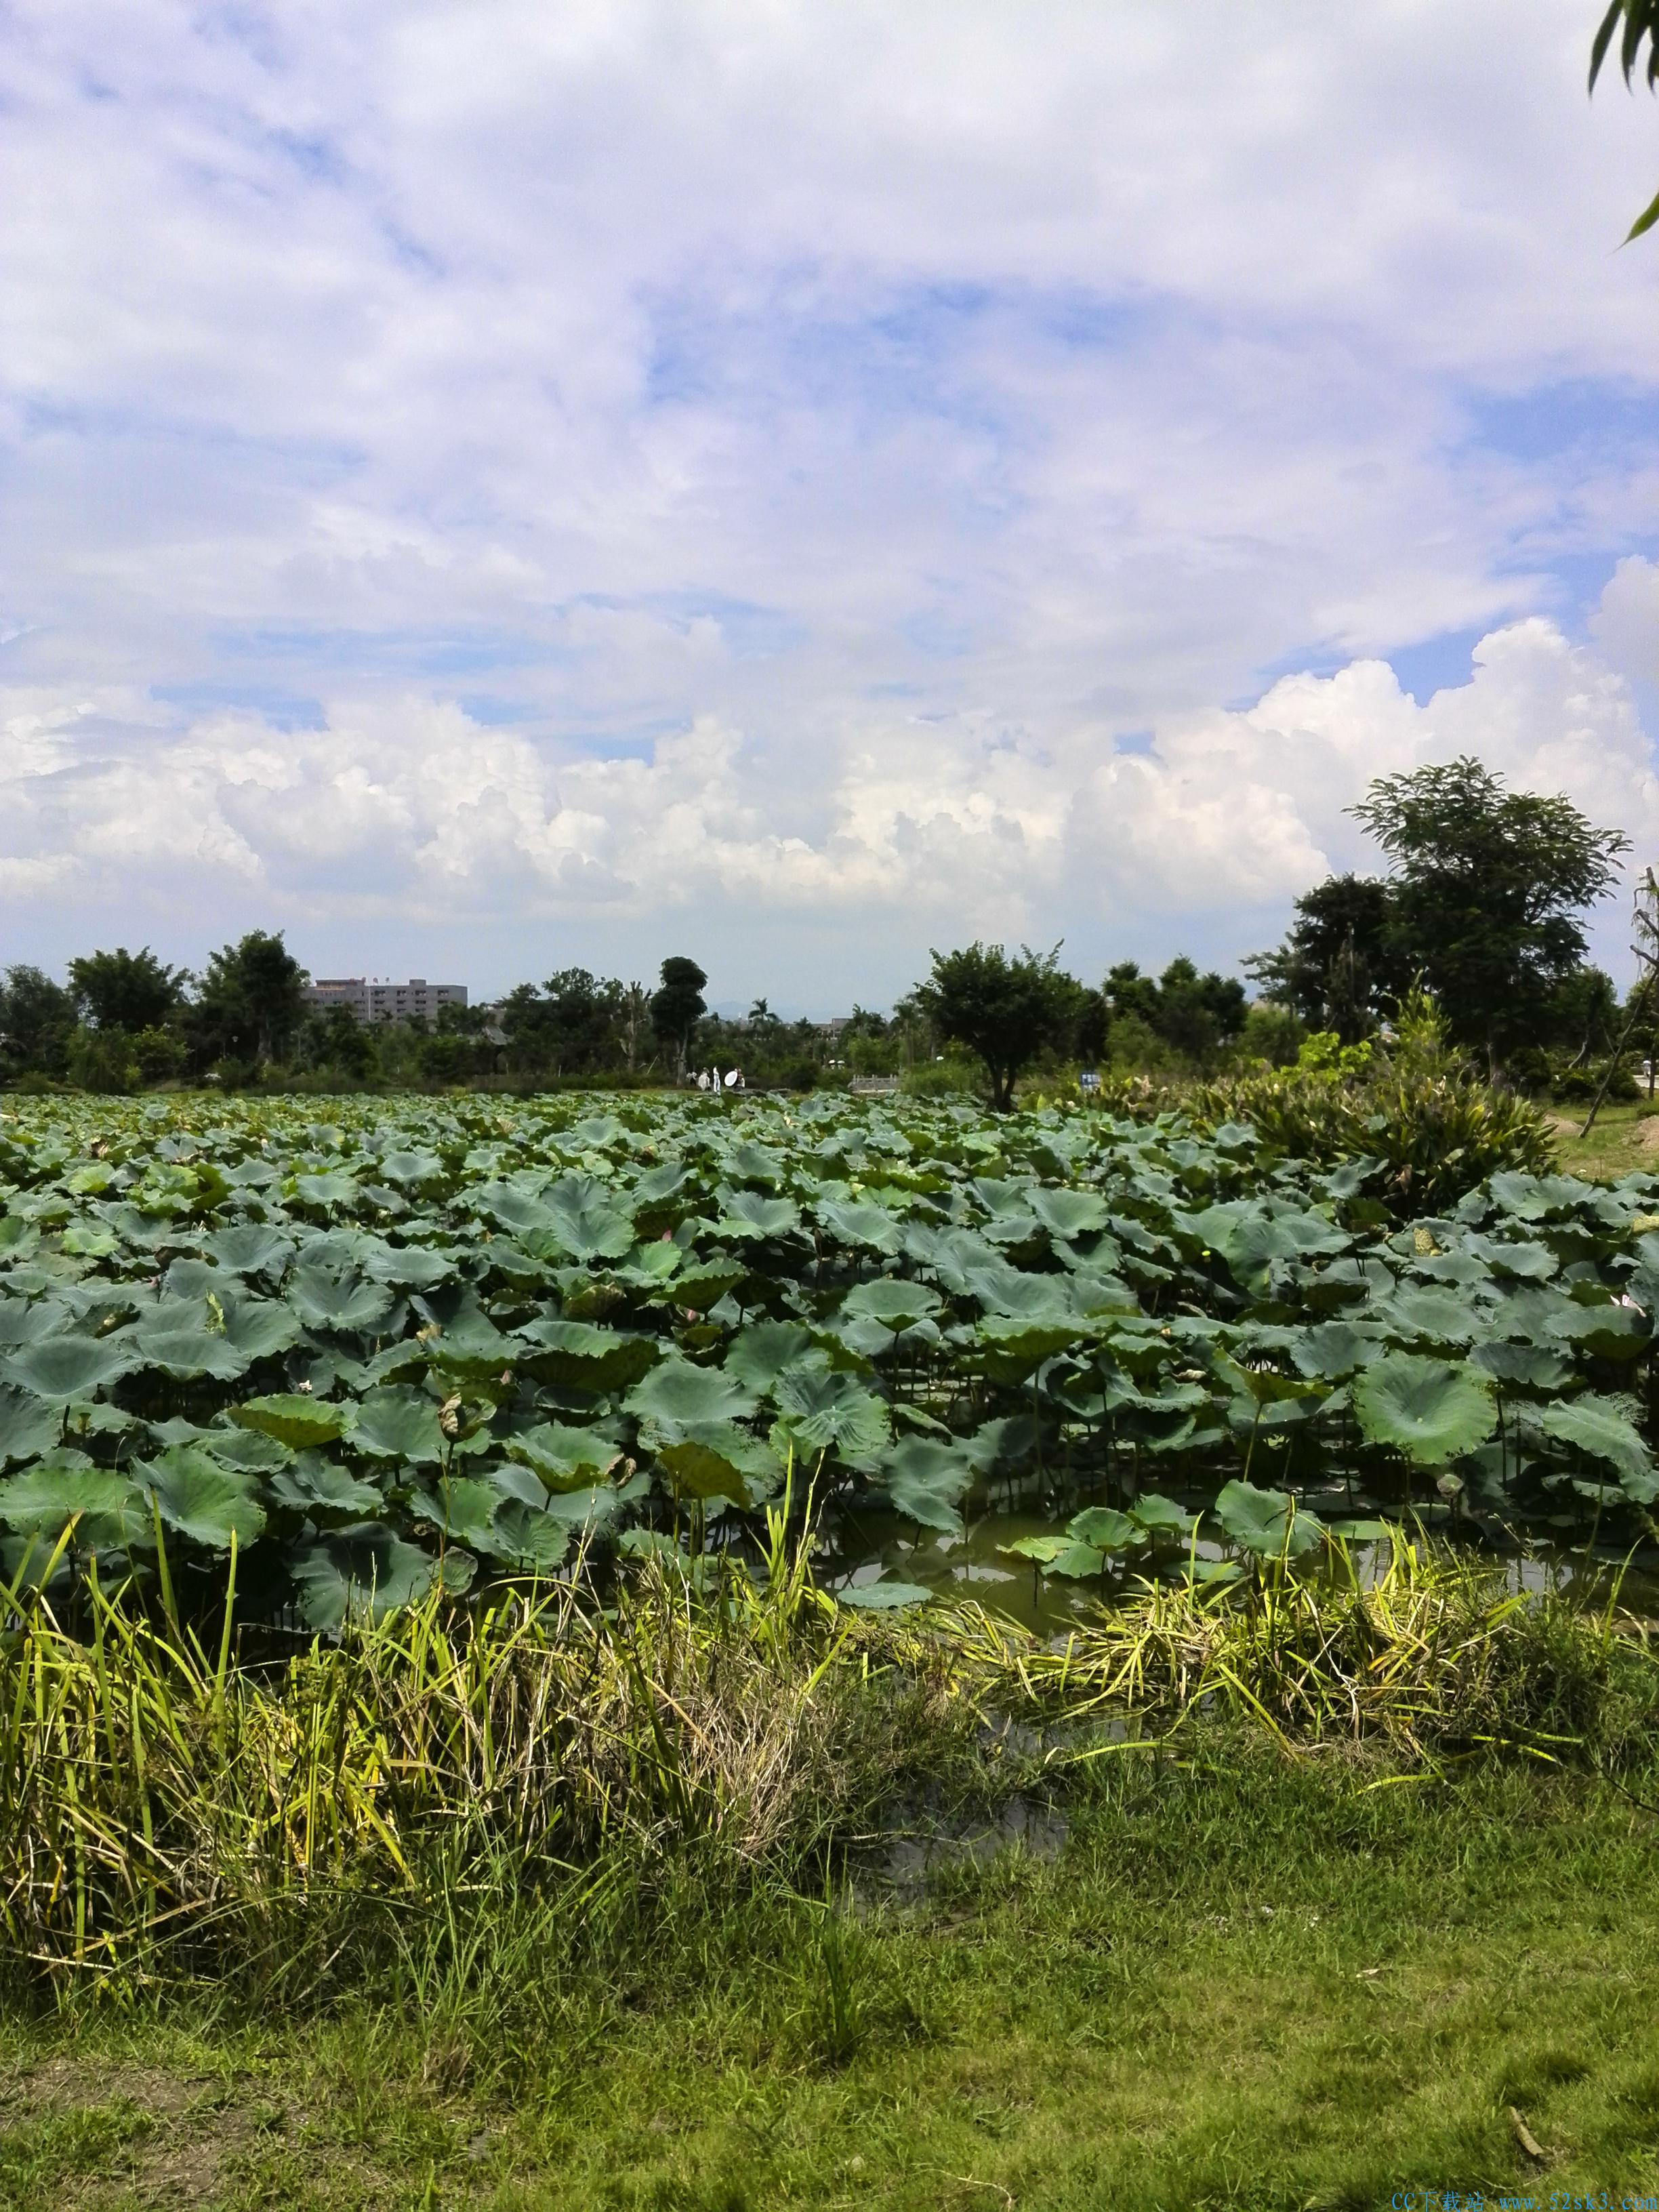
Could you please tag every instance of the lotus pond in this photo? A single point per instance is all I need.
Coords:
(362, 1345)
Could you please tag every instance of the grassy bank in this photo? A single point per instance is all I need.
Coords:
(728, 1900)
(1243, 1981)
(1624, 1140)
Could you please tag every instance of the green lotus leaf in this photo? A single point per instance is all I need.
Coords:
(1260, 1385)
(829, 1410)
(1158, 1514)
(1536, 1367)
(251, 1248)
(1425, 1314)
(1014, 1344)
(676, 1392)
(326, 1191)
(563, 1458)
(363, 1573)
(1060, 1555)
(89, 1240)
(1613, 1331)
(463, 1508)
(1430, 1410)
(410, 1167)
(746, 1214)
(759, 1353)
(404, 1266)
(1599, 1427)
(861, 1226)
(595, 1510)
(751, 1163)
(241, 1448)
(318, 1487)
(187, 1353)
(585, 1220)
(577, 1355)
(1331, 1350)
(28, 1426)
(884, 1595)
(203, 1498)
(1530, 1263)
(896, 1305)
(1266, 1521)
(400, 1425)
(1068, 1213)
(703, 1283)
(927, 1482)
(715, 1459)
(337, 1302)
(260, 1328)
(292, 1418)
(62, 1368)
(108, 1509)
(1104, 1528)
(529, 1537)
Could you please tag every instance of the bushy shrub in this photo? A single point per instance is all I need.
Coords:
(160, 1055)
(951, 1077)
(1579, 1084)
(1273, 1034)
(1410, 1101)
(103, 1061)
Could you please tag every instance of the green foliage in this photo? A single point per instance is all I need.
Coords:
(126, 991)
(1340, 967)
(1640, 21)
(1413, 1107)
(252, 1002)
(678, 1005)
(1191, 1016)
(1005, 1009)
(1488, 889)
(103, 1061)
(479, 1328)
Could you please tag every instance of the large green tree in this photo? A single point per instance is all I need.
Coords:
(124, 990)
(1340, 967)
(678, 1005)
(251, 1003)
(1194, 1013)
(1488, 889)
(37, 1017)
(1005, 1009)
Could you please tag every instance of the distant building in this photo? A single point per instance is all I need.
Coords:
(833, 1028)
(416, 1000)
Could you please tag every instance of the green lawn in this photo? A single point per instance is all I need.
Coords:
(1626, 1138)
(1245, 1984)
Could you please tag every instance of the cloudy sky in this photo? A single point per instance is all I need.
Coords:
(490, 485)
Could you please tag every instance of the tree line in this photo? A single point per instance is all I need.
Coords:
(1483, 906)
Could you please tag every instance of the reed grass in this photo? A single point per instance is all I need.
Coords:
(1436, 1656)
(429, 1792)
(155, 1795)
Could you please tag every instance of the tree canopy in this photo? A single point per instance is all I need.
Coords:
(677, 1007)
(252, 998)
(128, 991)
(1488, 889)
(1484, 904)
(1342, 967)
(1005, 1010)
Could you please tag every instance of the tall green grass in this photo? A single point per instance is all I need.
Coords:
(426, 1793)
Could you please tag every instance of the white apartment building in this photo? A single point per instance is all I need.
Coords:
(372, 1000)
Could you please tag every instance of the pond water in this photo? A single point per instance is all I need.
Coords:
(857, 1548)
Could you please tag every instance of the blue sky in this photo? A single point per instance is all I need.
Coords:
(488, 489)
